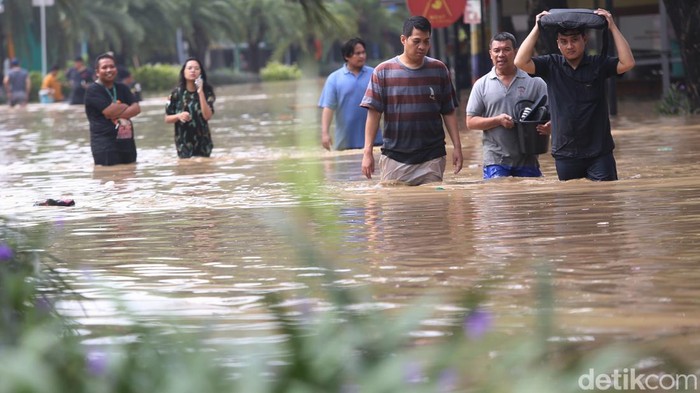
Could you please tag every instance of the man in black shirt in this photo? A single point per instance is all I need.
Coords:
(582, 143)
(109, 106)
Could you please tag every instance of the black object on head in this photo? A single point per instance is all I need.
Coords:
(576, 19)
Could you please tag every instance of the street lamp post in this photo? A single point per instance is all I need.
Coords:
(42, 4)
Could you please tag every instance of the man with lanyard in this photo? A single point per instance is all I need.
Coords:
(109, 106)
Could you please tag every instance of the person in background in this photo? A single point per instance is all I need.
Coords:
(491, 104)
(51, 86)
(341, 95)
(190, 107)
(80, 77)
(124, 76)
(416, 95)
(127, 78)
(582, 143)
(109, 106)
(17, 84)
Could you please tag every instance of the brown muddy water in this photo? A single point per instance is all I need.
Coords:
(202, 240)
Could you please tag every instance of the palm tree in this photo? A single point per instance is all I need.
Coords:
(316, 13)
(256, 25)
(204, 22)
(159, 21)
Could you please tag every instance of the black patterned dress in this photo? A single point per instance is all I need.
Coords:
(193, 137)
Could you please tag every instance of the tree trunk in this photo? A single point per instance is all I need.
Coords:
(199, 43)
(684, 16)
(254, 58)
(254, 39)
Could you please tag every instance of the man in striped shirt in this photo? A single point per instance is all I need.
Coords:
(415, 94)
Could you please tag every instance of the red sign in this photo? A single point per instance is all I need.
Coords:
(440, 13)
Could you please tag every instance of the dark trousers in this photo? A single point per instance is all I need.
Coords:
(123, 153)
(601, 168)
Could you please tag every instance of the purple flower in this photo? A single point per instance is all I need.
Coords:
(43, 304)
(96, 363)
(6, 252)
(413, 373)
(477, 323)
(448, 380)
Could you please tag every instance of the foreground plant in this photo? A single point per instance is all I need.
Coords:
(330, 345)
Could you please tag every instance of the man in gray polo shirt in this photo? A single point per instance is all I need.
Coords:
(490, 109)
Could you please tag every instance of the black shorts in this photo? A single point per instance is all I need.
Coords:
(601, 168)
(127, 155)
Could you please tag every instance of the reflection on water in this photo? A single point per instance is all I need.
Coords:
(203, 239)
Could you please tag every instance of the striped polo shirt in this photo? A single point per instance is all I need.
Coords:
(412, 102)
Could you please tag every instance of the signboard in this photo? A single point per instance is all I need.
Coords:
(472, 12)
(45, 3)
(440, 13)
(643, 32)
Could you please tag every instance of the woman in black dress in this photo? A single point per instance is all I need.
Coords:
(190, 106)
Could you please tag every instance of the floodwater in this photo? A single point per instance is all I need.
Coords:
(202, 240)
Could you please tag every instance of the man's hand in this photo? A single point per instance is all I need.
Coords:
(368, 164)
(544, 129)
(506, 120)
(326, 141)
(457, 160)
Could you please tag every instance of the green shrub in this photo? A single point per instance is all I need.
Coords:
(36, 79)
(275, 71)
(229, 76)
(157, 77)
(676, 102)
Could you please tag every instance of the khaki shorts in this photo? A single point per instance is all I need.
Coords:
(412, 174)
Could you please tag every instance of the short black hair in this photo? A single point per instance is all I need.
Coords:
(505, 36)
(416, 22)
(104, 56)
(570, 32)
(348, 48)
(55, 67)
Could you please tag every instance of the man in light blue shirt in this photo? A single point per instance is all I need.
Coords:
(342, 95)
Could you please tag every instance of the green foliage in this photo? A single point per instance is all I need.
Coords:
(229, 76)
(676, 102)
(26, 285)
(157, 77)
(164, 77)
(275, 71)
(36, 79)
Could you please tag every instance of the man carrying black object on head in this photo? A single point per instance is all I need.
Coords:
(582, 144)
